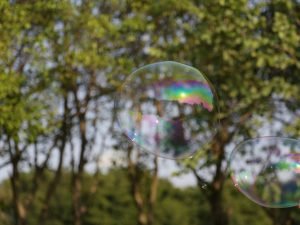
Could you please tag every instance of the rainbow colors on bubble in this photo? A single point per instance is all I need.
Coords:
(289, 162)
(186, 91)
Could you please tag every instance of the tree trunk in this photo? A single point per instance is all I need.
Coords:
(219, 215)
(144, 202)
(81, 109)
(57, 177)
(19, 209)
(76, 195)
(153, 192)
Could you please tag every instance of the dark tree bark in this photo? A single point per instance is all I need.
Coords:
(19, 208)
(81, 107)
(63, 136)
(78, 172)
(214, 190)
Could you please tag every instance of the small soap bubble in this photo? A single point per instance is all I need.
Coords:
(204, 186)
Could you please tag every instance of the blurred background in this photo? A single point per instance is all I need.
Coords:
(63, 160)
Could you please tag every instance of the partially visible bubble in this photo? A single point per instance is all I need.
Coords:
(274, 181)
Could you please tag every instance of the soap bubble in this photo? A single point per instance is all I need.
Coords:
(166, 108)
(267, 171)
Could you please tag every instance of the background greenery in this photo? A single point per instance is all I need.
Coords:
(61, 63)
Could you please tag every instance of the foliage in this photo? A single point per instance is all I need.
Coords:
(107, 200)
(60, 64)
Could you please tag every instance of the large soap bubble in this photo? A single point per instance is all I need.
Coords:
(267, 171)
(166, 108)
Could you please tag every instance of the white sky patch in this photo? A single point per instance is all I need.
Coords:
(168, 167)
(111, 158)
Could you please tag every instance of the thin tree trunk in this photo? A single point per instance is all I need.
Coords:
(218, 212)
(135, 189)
(19, 209)
(76, 198)
(153, 192)
(78, 209)
(144, 203)
(53, 185)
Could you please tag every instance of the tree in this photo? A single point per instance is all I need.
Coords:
(62, 61)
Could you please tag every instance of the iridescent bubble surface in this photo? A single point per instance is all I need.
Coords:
(267, 171)
(165, 108)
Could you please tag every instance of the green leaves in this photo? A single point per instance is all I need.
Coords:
(21, 115)
(48, 49)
